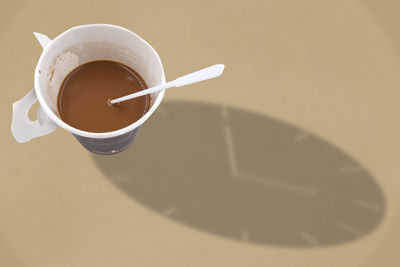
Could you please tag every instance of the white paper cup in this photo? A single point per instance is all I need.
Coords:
(67, 51)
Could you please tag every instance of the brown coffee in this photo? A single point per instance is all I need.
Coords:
(85, 92)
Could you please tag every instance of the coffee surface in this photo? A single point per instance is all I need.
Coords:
(85, 92)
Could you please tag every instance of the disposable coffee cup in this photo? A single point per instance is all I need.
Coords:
(69, 50)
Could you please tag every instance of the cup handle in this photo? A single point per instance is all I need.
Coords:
(22, 128)
(43, 39)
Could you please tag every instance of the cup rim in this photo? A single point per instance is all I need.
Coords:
(74, 130)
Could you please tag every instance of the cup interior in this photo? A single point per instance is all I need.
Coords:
(87, 43)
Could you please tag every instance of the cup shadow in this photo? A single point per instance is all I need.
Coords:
(247, 177)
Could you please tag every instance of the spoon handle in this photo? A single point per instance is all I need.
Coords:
(194, 77)
(200, 75)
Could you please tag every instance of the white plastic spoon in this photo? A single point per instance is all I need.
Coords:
(198, 76)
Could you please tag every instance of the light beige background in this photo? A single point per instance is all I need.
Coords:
(330, 67)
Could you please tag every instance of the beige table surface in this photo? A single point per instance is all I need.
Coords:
(291, 158)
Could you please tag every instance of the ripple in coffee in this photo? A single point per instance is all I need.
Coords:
(85, 92)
